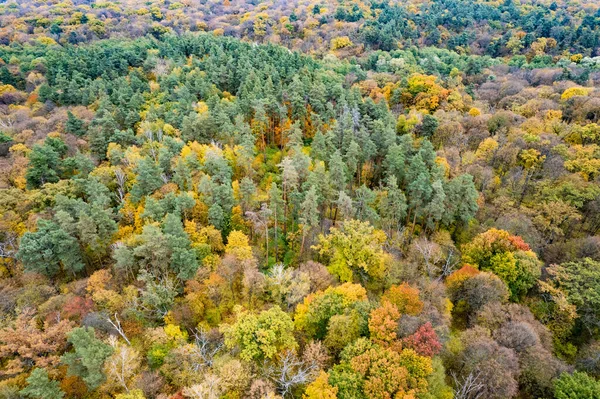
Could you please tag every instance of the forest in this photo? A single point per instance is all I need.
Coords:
(336, 199)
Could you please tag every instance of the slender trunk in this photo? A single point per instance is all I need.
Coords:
(335, 215)
(276, 238)
(285, 213)
(413, 225)
(267, 243)
(524, 191)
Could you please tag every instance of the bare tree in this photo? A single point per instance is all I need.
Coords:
(121, 179)
(291, 372)
(469, 387)
(117, 326)
(122, 365)
(207, 346)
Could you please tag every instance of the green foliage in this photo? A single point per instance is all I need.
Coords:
(580, 281)
(88, 356)
(576, 385)
(39, 386)
(50, 250)
(45, 163)
(355, 248)
(261, 336)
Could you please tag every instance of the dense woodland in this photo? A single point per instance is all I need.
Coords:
(316, 200)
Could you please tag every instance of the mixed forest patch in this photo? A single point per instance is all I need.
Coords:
(310, 200)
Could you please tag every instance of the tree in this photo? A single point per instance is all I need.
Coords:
(580, 281)
(383, 323)
(276, 204)
(357, 247)
(388, 374)
(575, 386)
(261, 336)
(470, 290)
(25, 343)
(461, 200)
(405, 298)
(134, 394)
(45, 162)
(338, 171)
(314, 315)
(247, 192)
(260, 220)
(50, 250)
(87, 359)
(393, 205)
(148, 179)
(183, 260)
(39, 386)
(482, 366)
(122, 365)
(237, 245)
(320, 388)
(74, 125)
(424, 341)
(309, 214)
(507, 256)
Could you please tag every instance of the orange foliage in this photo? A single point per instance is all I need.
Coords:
(405, 298)
(383, 323)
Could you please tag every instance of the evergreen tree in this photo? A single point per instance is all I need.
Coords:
(45, 163)
(148, 179)
(88, 356)
(39, 386)
(74, 125)
(50, 250)
(338, 171)
(309, 213)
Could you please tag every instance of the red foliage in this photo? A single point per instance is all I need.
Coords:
(424, 341)
(77, 307)
(519, 243)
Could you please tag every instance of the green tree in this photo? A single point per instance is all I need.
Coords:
(338, 171)
(45, 163)
(183, 262)
(39, 386)
(578, 385)
(393, 205)
(355, 248)
(50, 250)
(74, 125)
(88, 356)
(148, 179)
(261, 336)
(580, 280)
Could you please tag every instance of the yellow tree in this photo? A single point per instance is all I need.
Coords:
(356, 247)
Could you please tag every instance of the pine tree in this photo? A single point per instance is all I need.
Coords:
(394, 204)
(309, 214)
(39, 386)
(247, 192)
(148, 179)
(74, 125)
(49, 250)
(45, 163)
(338, 172)
(276, 205)
(87, 359)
